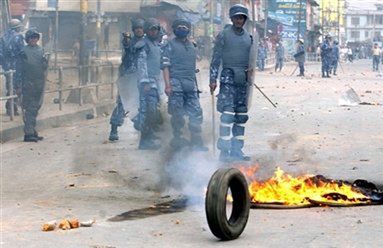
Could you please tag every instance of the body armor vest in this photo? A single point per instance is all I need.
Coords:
(153, 59)
(236, 49)
(183, 59)
(34, 65)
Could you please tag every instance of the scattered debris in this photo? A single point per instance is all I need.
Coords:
(50, 226)
(88, 223)
(349, 98)
(370, 103)
(89, 116)
(66, 224)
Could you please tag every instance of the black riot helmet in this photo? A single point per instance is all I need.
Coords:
(238, 9)
(150, 24)
(181, 22)
(30, 34)
(138, 23)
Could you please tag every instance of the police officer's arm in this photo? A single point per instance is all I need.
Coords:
(165, 64)
(19, 75)
(216, 61)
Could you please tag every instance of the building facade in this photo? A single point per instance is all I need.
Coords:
(364, 26)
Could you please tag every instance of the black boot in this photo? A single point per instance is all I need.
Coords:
(146, 143)
(179, 142)
(224, 156)
(237, 155)
(113, 136)
(30, 138)
(38, 137)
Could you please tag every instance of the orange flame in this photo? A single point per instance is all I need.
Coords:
(285, 189)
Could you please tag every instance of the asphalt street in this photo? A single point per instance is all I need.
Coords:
(76, 173)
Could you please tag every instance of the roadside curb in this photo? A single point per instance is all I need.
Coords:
(57, 121)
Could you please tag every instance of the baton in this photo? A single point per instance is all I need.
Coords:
(341, 67)
(294, 71)
(256, 86)
(213, 120)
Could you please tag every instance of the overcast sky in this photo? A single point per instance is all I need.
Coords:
(363, 4)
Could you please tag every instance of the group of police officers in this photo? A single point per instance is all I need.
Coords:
(143, 59)
(29, 64)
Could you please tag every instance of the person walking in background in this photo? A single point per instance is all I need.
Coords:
(300, 57)
(262, 55)
(350, 55)
(279, 56)
(376, 54)
(31, 69)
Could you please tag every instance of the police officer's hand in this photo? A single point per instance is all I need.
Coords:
(213, 85)
(126, 38)
(168, 90)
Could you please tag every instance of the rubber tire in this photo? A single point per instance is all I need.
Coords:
(215, 203)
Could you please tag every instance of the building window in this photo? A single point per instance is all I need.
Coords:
(355, 21)
(379, 20)
(51, 3)
(355, 34)
(366, 34)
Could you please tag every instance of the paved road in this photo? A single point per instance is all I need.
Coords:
(75, 172)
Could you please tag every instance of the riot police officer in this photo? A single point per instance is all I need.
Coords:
(232, 49)
(31, 70)
(11, 45)
(127, 83)
(326, 56)
(179, 65)
(148, 70)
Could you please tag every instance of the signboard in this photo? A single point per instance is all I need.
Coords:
(292, 16)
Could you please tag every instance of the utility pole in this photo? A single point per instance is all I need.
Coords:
(56, 32)
(211, 28)
(98, 27)
(253, 16)
(266, 16)
(299, 19)
(338, 20)
(83, 52)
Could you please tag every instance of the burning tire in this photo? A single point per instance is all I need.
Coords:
(216, 203)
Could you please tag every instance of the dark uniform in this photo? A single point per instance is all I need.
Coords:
(148, 73)
(31, 69)
(232, 49)
(326, 57)
(179, 60)
(11, 45)
(128, 66)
